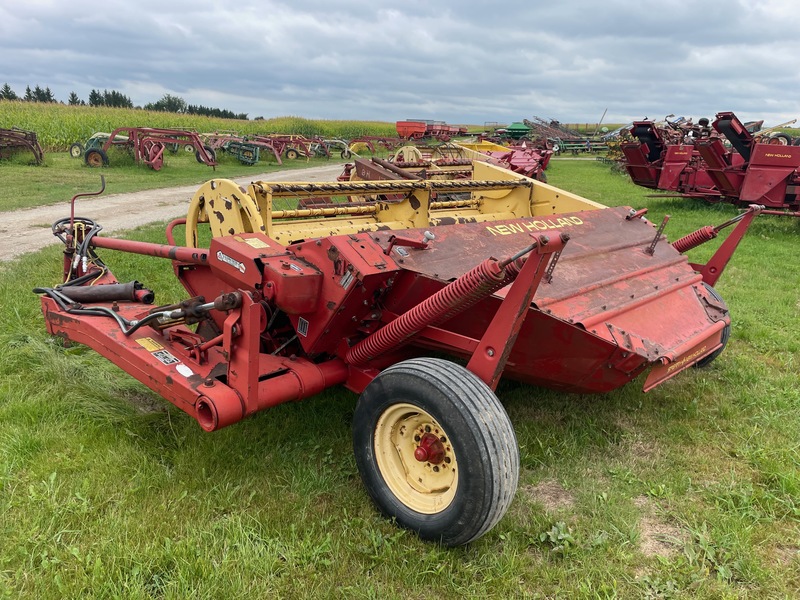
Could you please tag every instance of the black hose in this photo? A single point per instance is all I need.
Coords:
(126, 326)
(82, 279)
(98, 311)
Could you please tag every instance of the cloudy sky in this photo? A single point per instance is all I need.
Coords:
(463, 62)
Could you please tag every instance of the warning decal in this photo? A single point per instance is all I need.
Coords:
(149, 344)
(165, 357)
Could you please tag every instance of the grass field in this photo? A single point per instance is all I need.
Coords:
(689, 491)
(61, 176)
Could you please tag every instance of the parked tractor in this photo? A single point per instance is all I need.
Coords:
(418, 295)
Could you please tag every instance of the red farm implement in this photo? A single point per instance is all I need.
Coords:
(417, 129)
(722, 163)
(372, 143)
(507, 275)
(291, 146)
(19, 140)
(525, 158)
(451, 160)
(146, 144)
(247, 150)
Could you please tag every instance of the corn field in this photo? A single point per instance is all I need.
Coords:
(59, 125)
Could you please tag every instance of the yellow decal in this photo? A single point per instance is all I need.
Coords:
(686, 359)
(256, 243)
(538, 225)
(773, 155)
(149, 344)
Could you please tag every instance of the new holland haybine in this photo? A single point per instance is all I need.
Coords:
(417, 294)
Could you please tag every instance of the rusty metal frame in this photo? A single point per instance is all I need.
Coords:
(15, 139)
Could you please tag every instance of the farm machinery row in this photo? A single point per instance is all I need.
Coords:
(550, 135)
(418, 129)
(723, 162)
(148, 146)
(291, 146)
(293, 288)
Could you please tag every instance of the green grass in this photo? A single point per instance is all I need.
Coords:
(690, 491)
(61, 177)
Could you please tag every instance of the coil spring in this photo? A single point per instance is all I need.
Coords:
(694, 239)
(462, 293)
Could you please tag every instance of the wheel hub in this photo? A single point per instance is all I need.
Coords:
(430, 449)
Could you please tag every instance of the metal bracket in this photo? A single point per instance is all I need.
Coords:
(651, 249)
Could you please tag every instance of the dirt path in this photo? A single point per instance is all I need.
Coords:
(28, 230)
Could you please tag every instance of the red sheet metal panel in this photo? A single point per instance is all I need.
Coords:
(609, 311)
(768, 174)
(676, 159)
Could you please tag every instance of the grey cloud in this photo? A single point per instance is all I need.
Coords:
(465, 62)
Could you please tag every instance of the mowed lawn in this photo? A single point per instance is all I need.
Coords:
(689, 491)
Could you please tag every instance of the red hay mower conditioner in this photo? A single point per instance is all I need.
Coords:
(506, 275)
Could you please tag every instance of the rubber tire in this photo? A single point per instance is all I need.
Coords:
(787, 139)
(726, 333)
(480, 433)
(345, 154)
(291, 154)
(95, 157)
(76, 150)
(209, 151)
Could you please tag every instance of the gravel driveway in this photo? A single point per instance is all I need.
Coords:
(29, 229)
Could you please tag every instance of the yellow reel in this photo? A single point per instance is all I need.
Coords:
(226, 207)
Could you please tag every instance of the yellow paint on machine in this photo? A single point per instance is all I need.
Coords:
(149, 344)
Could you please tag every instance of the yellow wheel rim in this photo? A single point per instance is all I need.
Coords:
(421, 485)
(408, 154)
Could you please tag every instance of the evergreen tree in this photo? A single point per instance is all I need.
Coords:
(29, 97)
(6, 93)
(116, 99)
(95, 98)
(73, 99)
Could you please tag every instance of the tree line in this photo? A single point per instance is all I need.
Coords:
(115, 99)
